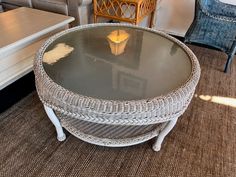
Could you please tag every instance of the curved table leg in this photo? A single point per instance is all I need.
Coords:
(163, 133)
(60, 134)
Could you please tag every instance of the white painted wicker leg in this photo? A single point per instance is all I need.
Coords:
(60, 134)
(157, 145)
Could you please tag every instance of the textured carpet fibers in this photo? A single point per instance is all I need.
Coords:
(202, 144)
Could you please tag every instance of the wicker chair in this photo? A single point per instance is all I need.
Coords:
(214, 25)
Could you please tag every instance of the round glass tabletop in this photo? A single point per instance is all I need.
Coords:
(117, 63)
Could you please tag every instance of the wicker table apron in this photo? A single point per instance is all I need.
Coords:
(105, 120)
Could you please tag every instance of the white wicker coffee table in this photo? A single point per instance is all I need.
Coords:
(115, 85)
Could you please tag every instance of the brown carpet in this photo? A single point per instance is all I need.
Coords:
(203, 143)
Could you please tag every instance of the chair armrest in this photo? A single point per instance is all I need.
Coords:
(218, 9)
(233, 47)
(73, 9)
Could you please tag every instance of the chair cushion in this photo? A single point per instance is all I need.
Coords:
(26, 3)
(57, 6)
(233, 2)
(219, 9)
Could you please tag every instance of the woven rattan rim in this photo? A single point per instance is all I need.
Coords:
(104, 107)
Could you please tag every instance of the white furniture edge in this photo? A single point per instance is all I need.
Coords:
(23, 67)
(16, 72)
(4, 51)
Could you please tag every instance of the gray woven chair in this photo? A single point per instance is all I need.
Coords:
(214, 25)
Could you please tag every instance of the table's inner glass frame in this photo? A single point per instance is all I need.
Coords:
(117, 63)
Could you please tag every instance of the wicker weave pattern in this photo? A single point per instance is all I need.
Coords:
(106, 130)
(135, 112)
(109, 135)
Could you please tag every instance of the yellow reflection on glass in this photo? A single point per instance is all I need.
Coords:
(219, 100)
(117, 40)
(60, 51)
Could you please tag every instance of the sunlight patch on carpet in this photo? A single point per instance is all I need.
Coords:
(227, 101)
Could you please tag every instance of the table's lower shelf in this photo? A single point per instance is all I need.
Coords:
(110, 135)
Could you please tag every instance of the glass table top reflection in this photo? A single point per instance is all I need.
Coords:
(117, 63)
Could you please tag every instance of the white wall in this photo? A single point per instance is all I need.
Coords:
(175, 16)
